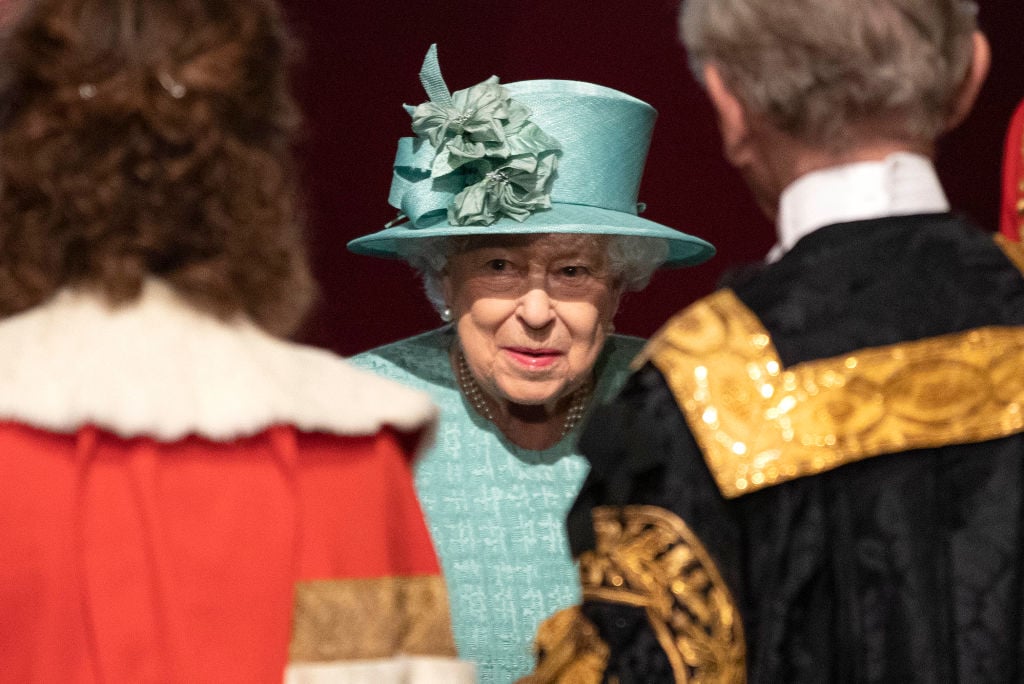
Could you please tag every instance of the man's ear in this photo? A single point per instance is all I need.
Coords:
(981, 60)
(732, 117)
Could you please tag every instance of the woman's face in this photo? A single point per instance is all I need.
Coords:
(532, 312)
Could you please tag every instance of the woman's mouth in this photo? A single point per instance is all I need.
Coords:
(533, 358)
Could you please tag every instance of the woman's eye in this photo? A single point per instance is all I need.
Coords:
(574, 271)
(497, 265)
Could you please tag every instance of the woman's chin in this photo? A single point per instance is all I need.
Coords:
(533, 394)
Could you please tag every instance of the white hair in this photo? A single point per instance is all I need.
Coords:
(631, 260)
(818, 68)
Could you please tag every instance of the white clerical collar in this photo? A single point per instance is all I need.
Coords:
(899, 185)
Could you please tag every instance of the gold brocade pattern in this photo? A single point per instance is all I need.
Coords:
(648, 557)
(569, 651)
(370, 618)
(759, 424)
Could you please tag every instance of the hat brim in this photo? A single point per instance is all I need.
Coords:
(683, 249)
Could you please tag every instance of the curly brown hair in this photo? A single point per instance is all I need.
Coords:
(151, 138)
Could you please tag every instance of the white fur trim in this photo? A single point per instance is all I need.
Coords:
(160, 368)
(400, 670)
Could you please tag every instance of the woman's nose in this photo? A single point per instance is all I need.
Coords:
(536, 308)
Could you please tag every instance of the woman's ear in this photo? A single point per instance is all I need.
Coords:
(616, 299)
(981, 60)
(732, 117)
(447, 290)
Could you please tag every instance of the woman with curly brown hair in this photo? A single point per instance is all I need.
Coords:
(187, 497)
(151, 139)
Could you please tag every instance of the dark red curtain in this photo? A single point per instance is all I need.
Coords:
(360, 64)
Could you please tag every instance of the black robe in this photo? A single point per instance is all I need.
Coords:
(888, 564)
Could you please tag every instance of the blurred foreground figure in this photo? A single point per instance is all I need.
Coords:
(816, 474)
(186, 497)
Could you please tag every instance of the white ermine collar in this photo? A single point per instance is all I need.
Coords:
(160, 368)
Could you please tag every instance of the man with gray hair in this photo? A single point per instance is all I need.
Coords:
(817, 472)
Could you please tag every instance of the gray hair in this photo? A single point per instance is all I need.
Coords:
(631, 260)
(817, 68)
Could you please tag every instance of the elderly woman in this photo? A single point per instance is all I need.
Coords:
(182, 499)
(521, 202)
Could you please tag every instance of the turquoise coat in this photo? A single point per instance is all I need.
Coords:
(496, 511)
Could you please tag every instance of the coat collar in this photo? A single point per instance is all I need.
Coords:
(159, 368)
(902, 184)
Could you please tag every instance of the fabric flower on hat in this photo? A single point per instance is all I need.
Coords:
(524, 136)
(470, 128)
(515, 189)
(507, 161)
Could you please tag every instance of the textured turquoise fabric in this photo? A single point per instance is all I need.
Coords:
(496, 511)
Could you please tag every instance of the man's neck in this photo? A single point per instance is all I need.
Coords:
(789, 158)
(899, 184)
(810, 160)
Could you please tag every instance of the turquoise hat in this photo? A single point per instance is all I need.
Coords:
(544, 156)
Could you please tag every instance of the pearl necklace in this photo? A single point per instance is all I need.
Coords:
(471, 389)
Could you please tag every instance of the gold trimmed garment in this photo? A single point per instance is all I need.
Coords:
(849, 575)
(396, 615)
(759, 424)
(404, 632)
(647, 557)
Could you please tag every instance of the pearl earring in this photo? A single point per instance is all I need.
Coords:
(446, 314)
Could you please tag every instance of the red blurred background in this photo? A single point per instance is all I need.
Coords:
(360, 64)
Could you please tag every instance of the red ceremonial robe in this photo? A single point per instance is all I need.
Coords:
(186, 500)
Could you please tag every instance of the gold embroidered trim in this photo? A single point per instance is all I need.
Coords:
(370, 618)
(569, 650)
(647, 556)
(759, 424)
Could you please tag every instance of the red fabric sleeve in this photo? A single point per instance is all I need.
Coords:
(372, 500)
(1011, 218)
(133, 560)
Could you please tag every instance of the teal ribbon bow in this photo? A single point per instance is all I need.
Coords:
(485, 159)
